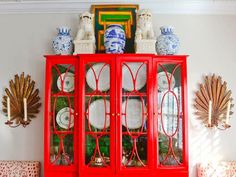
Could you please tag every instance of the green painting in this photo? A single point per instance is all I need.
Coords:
(124, 15)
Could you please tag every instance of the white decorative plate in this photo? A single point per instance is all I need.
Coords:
(104, 79)
(163, 82)
(127, 81)
(63, 117)
(97, 115)
(68, 83)
(133, 114)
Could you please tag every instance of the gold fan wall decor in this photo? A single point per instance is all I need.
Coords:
(213, 102)
(21, 102)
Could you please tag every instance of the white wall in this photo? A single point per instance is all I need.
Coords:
(209, 40)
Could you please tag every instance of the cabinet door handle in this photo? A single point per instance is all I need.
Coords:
(118, 114)
(113, 114)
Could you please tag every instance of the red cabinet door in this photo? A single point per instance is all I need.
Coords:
(61, 116)
(170, 115)
(134, 121)
(97, 117)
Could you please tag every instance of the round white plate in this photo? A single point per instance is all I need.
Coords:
(104, 79)
(97, 115)
(63, 117)
(163, 82)
(127, 81)
(133, 114)
(68, 82)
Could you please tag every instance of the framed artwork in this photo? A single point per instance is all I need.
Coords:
(124, 15)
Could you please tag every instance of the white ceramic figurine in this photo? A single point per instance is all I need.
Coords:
(85, 38)
(144, 25)
(86, 30)
(144, 36)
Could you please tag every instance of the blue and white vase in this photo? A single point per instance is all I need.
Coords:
(62, 43)
(167, 43)
(114, 39)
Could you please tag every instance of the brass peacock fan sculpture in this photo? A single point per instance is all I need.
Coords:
(215, 90)
(19, 88)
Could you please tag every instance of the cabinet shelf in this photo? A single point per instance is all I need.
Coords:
(134, 133)
(134, 94)
(97, 95)
(63, 95)
(124, 94)
(62, 132)
(97, 133)
(165, 114)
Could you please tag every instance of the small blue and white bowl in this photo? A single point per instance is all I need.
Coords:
(114, 39)
(62, 43)
(167, 43)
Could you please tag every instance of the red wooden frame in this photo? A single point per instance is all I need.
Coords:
(115, 61)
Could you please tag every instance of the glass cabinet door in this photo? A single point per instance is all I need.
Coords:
(62, 114)
(98, 114)
(133, 121)
(168, 113)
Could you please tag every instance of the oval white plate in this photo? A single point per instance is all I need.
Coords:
(133, 114)
(63, 117)
(104, 79)
(97, 115)
(68, 82)
(163, 82)
(127, 81)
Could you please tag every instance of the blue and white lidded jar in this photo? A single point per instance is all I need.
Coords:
(167, 43)
(114, 39)
(62, 43)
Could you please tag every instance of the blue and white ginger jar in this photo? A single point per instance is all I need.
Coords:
(62, 44)
(167, 43)
(114, 39)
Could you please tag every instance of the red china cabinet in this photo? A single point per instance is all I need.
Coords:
(116, 115)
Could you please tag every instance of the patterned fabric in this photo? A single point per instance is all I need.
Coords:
(220, 169)
(19, 169)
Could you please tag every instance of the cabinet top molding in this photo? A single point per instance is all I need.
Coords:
(156, 6)
(117, 55)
